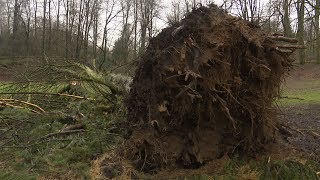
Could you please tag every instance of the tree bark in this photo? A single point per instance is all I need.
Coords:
(50, 27)
(44, 28)
(79, 33)
(135, 28)
(286, 19)
(317, 13)
(67, 30)
(15, 18)
(300, 31)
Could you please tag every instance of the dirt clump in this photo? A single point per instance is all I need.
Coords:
(204, 88)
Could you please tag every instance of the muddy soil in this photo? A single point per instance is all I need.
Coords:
(303, 124)
(303, 120)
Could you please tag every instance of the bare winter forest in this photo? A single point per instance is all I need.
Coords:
(169, 89)
(116, 32)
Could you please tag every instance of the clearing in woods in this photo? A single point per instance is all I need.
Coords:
(202, 102)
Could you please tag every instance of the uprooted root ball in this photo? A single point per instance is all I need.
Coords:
(204, 88)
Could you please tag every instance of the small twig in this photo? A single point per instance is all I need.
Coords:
(63, 133)
(2, 145)
(145, 159)
(307, 129)
(312, 131)
(173, 76)
(315, 134)
(24, 102)
(287, 97)
(226, 110)
(73, 127)
(52, 94)
(185, 89)
(297, 130)
(37, 143)
(17, 107)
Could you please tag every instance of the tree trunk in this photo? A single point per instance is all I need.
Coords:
(71, 23)
(95, 34)
(78, 43)
(317, 13)
(286, 19)
(50, 27)
(15, 18)
(58, 27)
(86, 31)
(67, 30)
(8, 16)
(135, 28)
(35, 17)
(300, 31)
(44, 28)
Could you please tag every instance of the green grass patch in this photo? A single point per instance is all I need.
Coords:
(24, 147)
(303, 97)
(16, 175)
(300, 92)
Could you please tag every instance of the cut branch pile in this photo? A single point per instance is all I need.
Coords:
(203, 89)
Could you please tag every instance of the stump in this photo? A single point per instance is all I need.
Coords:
(205, 88)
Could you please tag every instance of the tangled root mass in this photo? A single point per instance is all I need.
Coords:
(204, 88)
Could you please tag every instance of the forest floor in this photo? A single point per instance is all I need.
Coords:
(300, 109)
(298, 150)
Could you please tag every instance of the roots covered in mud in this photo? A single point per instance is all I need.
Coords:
(203, 89)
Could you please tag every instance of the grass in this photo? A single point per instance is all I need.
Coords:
(57, 156)
(300, 92)
(303, 97)
(26, 155)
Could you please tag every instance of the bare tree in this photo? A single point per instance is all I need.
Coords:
(35, 4)
(286, 18)
(66, 3)
(176, 13)
(44, 27)
(50, 25)
(250, 10)
(16, 18)
(79, 31)
(300, 5)
(317, 31)
(147, 9)
(111, 13)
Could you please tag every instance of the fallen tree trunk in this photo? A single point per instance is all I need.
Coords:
(205, 88)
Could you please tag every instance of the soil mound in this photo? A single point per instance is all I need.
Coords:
(203, 89)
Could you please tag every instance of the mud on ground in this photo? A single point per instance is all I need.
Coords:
(303, 122)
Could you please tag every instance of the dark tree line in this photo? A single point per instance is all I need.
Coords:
(117, 31)
(77, 29)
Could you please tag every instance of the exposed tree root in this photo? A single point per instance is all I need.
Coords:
(204, 88)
